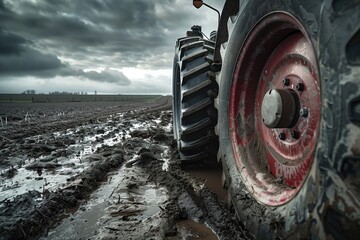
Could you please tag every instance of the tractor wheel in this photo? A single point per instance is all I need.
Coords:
(194, 90)
(289, 114)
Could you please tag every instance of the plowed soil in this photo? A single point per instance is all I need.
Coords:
(104, 171)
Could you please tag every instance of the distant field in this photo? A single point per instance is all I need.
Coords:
(36, 98)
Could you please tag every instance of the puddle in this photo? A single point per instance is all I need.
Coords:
(189, 229)
(213, 180)
(153, 197)
(166, 157)
(26, 180)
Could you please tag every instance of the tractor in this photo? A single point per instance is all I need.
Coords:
(274, 98)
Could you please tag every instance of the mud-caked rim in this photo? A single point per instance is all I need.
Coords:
(275, 108)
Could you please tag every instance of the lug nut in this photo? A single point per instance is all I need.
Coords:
(300, 86)
(282, 136)
(304, 112)
(295, 134)
(286, 82)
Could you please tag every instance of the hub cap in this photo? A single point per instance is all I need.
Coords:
(275, 108)
(279, 108)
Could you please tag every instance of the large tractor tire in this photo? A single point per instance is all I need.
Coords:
(194, 90)
(289, 114)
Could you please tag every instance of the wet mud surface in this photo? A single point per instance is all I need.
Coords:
(104, 172)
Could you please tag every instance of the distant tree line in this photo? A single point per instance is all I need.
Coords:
(56, 93)
(67, 93)
(29, 92)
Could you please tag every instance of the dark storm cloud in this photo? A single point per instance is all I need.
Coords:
(17, 58)
(89, 23)
(49, 38)
(10, 43)
(29, 62)
(2, 6)
(108, 74)
(98, 27)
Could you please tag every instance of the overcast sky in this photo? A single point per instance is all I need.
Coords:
(111, 46)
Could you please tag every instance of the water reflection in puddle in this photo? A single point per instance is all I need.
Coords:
(189, 229)
(166, 157)
(212, 179)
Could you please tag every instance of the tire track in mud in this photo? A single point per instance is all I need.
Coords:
(191, 199)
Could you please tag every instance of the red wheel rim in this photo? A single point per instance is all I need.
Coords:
(274, 161)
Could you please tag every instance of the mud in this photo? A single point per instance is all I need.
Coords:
(211, 178)
(105, 173)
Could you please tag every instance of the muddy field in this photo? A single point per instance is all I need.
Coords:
(104, 171)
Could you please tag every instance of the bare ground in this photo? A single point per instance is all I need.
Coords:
(104, 172)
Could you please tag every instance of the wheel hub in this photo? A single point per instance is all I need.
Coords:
(279, 108)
